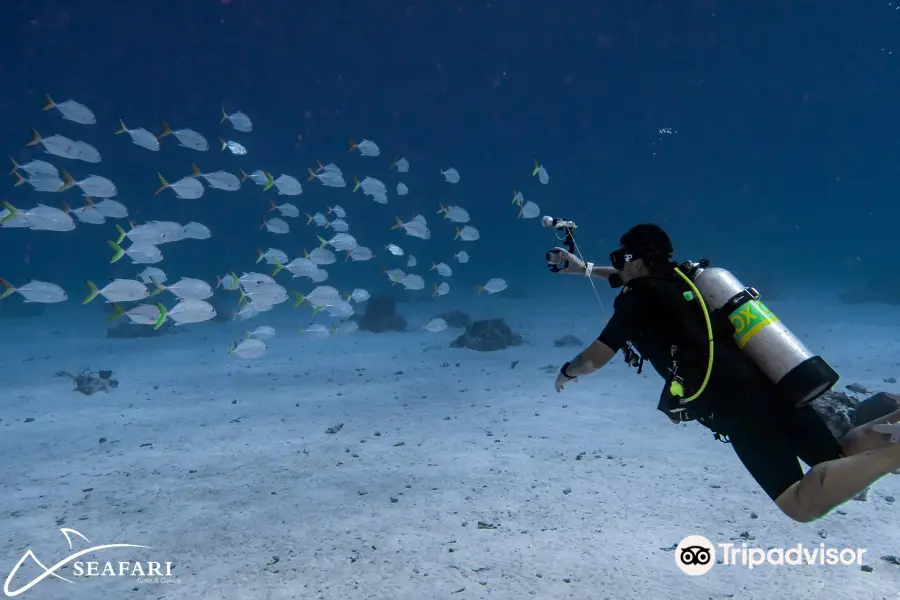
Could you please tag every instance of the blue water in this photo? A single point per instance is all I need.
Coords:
(784, 155)
(759, 134)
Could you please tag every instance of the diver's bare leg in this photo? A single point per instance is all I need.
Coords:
(862, 439)
(830, 484)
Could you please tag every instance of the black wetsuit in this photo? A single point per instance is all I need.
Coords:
(652, 314)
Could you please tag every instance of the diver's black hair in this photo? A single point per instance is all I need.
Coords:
(648, 242)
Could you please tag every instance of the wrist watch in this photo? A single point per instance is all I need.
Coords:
(564, 371)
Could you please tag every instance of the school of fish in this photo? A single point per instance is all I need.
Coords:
(141, 300)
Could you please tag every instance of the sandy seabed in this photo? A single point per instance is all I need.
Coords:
(453, 474)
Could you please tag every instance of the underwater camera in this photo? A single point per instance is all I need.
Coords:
(555, 261)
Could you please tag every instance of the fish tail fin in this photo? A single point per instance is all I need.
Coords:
(49, 104)
(234, 315)
(322, 241)
(260, 256)
(316, 309)
(300, 330)
(278, 268)
(224, 143)
(158, 288)
(330, 210)
(352, 146)
(195, 172)
(65, 206)
(232, 348)
(118, 252)
(327, 223)
(35, 138)
(263, 224)
(356, 183)
(537, 167)
(122, 129)
(300, 298)
(8, 288)
(309, 218)
(319, 166)
(88, 202)
(458, 233)
(118, 311)
(515, 195)
(305, 253)
(12, 211)
(521, 211)
(398, 225)
(163, 184)
(122, 233)
(163, 314)
(15, 165)
(218, 282)
(19, 179)
(435, 293)
(349, 253)
(270, 181)
(166, 130)
(272, 205)
(311, 175)
(224, 115)
(479, 288)
(244, 176)
(93, 291)
(433, 267)
(441, 209)
(68, 181)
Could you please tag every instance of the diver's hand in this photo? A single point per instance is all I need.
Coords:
(561, 381)
(574, 266)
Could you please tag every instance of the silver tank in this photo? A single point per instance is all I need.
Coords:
(758, 332)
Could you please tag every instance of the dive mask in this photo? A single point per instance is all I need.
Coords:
(618, 258)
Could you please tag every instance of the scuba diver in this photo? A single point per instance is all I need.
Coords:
(730, 364)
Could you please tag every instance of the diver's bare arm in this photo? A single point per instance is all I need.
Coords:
(602, 272)
(592, 358)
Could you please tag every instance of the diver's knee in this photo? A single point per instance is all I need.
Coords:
(798, 508)
(855, 441)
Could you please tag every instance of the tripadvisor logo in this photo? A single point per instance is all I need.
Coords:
(87, 563)
(697, 555)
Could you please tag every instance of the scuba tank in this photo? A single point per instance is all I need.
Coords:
(799, 375)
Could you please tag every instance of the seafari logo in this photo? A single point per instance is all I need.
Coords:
(143, 572)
